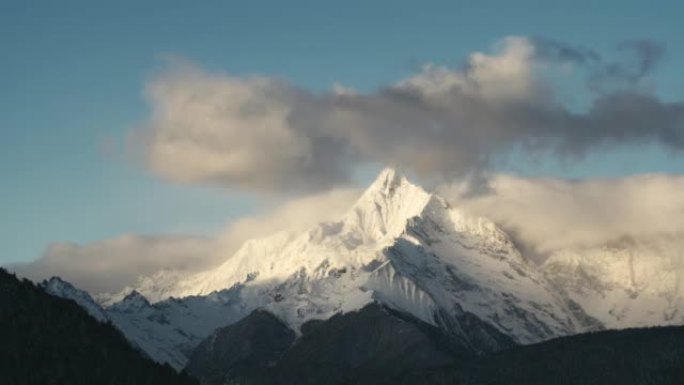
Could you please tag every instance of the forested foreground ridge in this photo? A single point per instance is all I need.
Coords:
(50, 340)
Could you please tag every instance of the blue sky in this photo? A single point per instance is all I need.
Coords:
(73, 72)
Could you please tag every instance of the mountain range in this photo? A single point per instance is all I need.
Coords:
(455, 283)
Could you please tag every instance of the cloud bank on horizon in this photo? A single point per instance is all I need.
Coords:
(110, 265)
(266, 135)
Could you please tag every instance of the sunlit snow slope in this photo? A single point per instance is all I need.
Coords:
(625, 284)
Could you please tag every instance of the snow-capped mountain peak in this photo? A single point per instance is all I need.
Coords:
(379, 216)
(386, 206)
(133, 301)
(398, 245)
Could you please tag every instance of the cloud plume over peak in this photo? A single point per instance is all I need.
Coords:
(546, 215)
(264, 134)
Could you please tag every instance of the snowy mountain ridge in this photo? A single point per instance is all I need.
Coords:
(407, 249)
(60, 288)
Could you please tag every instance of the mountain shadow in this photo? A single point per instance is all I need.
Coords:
(257, 341)
(50, 340)
(357, 347)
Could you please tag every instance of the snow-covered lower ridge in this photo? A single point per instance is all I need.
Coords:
(623, 285)
(166, 331)
(60, 288)
(398, 245)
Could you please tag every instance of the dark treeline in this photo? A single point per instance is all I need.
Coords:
(49, 340)
(649, 356)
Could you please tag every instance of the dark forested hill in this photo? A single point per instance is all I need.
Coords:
(365, 347)
(381, 347)
(49, 340)
(650, 356)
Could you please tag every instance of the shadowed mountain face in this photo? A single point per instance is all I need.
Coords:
(50, 340)
(257, 341)
(377, 345)
(366, 345)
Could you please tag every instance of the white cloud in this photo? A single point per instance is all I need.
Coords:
(111, 264)
(550, 214)
(224, 130)
(508, 74)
